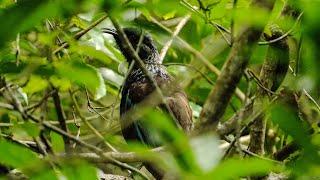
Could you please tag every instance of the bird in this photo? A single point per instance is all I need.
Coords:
(137, 87)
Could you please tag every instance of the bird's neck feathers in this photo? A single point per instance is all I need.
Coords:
(149, 56)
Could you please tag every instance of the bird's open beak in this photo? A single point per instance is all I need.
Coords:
(110, 31)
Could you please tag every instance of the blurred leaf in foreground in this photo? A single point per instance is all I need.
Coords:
(289, 121)
(16, 156)
(77, 170)
(24, 15)
(206, 151)
(177, 141)
(236, 168)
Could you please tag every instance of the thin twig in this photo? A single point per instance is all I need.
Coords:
(234, 7)
(90, 107)
(78, 125)
(94, 130)
(259, 83)
(69, 121)
(193, 68)
(260, 157)
(175, 33)
(312, 99)
(81, 33)
(192, 8)
(201, 57)
(128, 72)
(18, 107)
(307, 94)
(128, 157)
(219, 27)
(60, 114)
(6, 106)
(284, 35)
(18, 50)
(38, 104)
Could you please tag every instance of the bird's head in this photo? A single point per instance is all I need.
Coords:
(147, 50)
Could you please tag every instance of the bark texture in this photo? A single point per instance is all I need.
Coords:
(232, 71)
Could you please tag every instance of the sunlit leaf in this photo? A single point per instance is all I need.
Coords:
(111, 76)
(93, 53)
(196, 109)
(82, 74)
(47, 174)
(35, 84)
(101, 90)
(22, 95)
(206, 150)
(62, 83)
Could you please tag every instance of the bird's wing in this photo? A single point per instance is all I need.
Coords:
(179, 105)
(138, 130)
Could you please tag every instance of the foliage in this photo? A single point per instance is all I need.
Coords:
(53, 55)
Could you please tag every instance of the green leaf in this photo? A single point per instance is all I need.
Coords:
(35, 84)
(57, 142)
(236, 168)
(77, 170)
(289, 121)
(32, 129)
(164, 7)
(163, 126)
(92, 52)
(206, 151)
(62, 83)
(16, 156)
(24, 15)
(111, 76)
(101, 90)
(196, 109)
(47, 174)
(83, 75)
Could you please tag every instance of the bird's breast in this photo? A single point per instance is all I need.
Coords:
(138, 86)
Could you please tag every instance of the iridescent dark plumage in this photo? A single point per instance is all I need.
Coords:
(137, 87)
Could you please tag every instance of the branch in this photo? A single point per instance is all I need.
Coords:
(175, 33)
(69, 121)
(273, 72)
(18, 107)
(81, 33)
(94, 130)
(219, 27)
(230, 125)
(200, 56)
(193, 68)
(127, 157)
(6, 106)
(285, 152)
(284, 35)
(231, 73)
(38, 104)
(60, 115)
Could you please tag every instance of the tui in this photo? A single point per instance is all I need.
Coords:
(137, 87)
